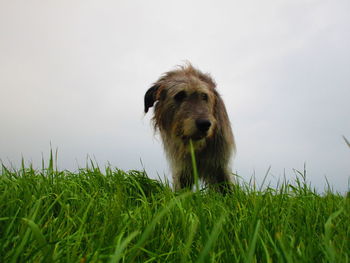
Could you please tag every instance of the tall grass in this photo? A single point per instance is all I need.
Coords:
(108, 215)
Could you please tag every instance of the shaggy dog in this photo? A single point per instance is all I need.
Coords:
(188, 107)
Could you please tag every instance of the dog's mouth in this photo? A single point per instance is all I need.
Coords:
(199, 136)
(195, 137)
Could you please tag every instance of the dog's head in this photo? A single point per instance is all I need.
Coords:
(184, 101)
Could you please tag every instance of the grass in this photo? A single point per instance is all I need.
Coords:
(108, 215)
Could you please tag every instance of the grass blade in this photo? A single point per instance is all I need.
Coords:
(39, 237)
(194, 166)
(252, 244)
(346, 141)
(203, 257)
(118, 253)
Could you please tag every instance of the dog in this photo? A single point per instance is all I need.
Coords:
(187, 107)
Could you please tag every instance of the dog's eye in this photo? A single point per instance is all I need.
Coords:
(204, 96)
(180, 96)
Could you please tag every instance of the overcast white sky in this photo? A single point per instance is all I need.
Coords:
(74, 73)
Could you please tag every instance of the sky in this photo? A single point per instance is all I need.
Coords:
(73, 75)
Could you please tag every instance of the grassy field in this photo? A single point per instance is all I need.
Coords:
(107, 215)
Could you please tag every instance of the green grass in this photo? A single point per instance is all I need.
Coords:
(108, 215)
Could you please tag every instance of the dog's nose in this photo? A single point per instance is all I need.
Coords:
(203, 125)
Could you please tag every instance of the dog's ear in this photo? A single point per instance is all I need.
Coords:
(151, 96)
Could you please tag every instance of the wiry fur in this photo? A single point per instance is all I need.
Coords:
(186, 101)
